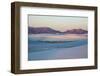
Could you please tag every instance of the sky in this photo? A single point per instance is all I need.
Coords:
(60, 23)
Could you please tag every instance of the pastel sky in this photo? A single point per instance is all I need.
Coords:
(61, 23)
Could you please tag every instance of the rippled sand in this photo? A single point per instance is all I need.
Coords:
(63, 53)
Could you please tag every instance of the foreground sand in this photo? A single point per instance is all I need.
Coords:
(63, 53)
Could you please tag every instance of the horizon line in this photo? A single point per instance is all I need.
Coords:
(58, 30)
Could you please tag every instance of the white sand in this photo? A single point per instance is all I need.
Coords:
(63, 53)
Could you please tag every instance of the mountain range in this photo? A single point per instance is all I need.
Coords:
(47, 30)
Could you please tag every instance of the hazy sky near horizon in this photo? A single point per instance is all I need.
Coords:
(61, 23)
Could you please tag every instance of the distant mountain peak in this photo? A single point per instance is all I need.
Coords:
(76, 31)
(41, 30)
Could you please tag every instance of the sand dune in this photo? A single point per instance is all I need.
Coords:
(63, 53)
(57, 37)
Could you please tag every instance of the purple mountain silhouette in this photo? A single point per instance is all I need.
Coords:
(40, 30)
(76, 31)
